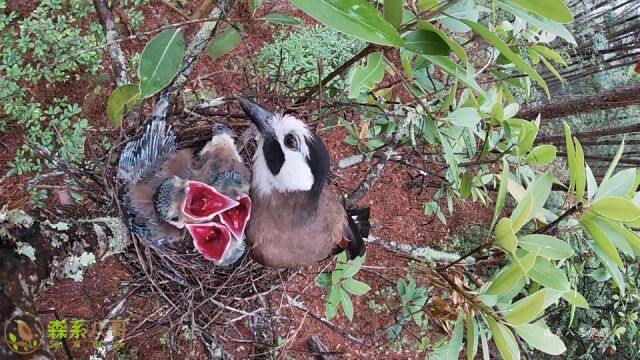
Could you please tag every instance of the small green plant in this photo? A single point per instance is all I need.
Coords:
(296, 56)
(132, 10)
(369, 138)
(342, 285)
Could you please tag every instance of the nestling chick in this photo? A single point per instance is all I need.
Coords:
(296, 220)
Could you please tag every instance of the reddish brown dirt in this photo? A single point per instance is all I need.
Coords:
(396, 209)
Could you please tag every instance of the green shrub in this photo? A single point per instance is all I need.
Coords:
(300, 51)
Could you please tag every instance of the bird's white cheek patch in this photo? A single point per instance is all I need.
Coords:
(295, 175)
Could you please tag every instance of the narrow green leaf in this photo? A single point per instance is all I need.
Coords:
(160, 61)
(406, 64)
(494, 40)
(120, 101)
(502, 191)
(355, 287)
(461, 9)
(618, 185)
(455, 344)
(465, 185)
(425, 42)
(571, 156)
(552, 69)
(510, 275)
(254, 5)
(540, 337)
(281, 19)
(228, 40)
(537, 21)
(614, 162)
(555, 10)
(367, 76)
(611, 267)
(548, 53)
(505, 237)
(547, 246)
(592, 185)
(472, 335)
(454, 46)
(526, 309)
(392, 12)
(615, 208)
(521, 214)
(347, 305)
(485, 346)
(453, 69)
(504, 339)
(615, 232)
(546, 274)
(353, 266)
(574, 297)
(357, 18)
(542, 155)
(601, 239)
(581, 177)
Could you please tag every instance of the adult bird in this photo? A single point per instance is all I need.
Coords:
(296, 220)
(159, 194)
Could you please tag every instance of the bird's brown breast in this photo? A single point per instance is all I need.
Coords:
(285, 232)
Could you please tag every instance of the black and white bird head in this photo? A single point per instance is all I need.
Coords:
(290, 156)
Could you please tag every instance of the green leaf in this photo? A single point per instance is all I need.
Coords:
(616, 232)
(504, 339)
(426, 42)
(453, 69)
(472, 335)
(355, 287)
(616, 208)
(367, 76)
(618, 185)
(505, 237)
(282, 19)
(510, 275)
(392, 12)
(353, 266)
(611, 267)
(537, 21)
(546, 274)
(406, 64)
(601, 239)
(548, 53)
(466, 116)
(547, 246)
(357, 18)
(160, 62)
(592, 185)
(502, 191)
(12, 337)
(571, 156)
(454, 46)
(521, 214)
(254, 5)
(581, 177)
(542, 155)
(228, 40)
(614, 162)
(555, 10)
(465, 185)
(540, 337)
(334, 302)
(494, 40)
(455, 344)
(462, 9)
(347, 305)
(526, 309)
(574, 297)
(323, 280)
(120, 101)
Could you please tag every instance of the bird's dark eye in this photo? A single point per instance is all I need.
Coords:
(291, 141)
(174, 219)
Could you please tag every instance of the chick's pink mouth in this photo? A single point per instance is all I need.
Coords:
(210, 239)
(203, 202)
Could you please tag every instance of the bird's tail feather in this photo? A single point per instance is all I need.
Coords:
(361, 219)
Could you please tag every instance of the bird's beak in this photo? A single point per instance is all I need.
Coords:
(236, 219)
(210, 239)
(257, 114)
(204, 202)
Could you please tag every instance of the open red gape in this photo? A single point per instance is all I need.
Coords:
(203, 202)
(210, 239)
(236, 218)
